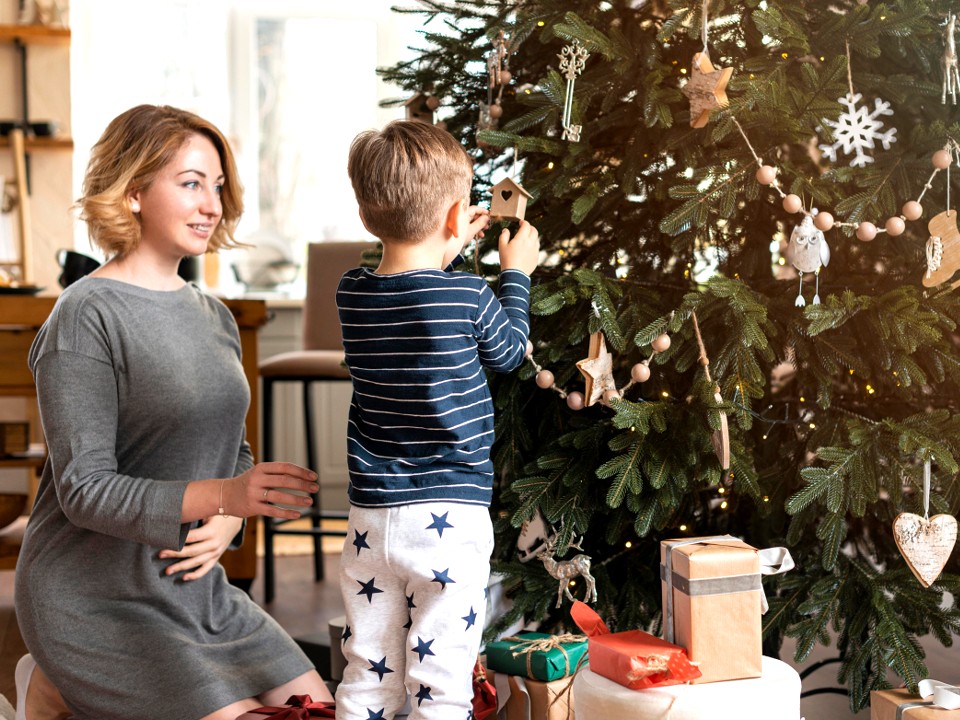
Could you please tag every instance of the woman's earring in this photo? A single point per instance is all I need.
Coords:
(134, 206)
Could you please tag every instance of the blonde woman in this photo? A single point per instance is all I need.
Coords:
(119, 595)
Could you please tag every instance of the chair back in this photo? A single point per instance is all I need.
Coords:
(326, 263)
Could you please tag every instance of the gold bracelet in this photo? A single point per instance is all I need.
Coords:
(220, 511)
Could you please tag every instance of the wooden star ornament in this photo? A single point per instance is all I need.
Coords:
(706, 89)
(597, 370)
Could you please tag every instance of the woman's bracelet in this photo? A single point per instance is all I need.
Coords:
(220, 511)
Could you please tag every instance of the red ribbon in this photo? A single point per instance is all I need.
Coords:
(298, 707)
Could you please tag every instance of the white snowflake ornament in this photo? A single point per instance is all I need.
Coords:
(857, 130)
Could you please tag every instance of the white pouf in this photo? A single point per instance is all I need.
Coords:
(774, 696)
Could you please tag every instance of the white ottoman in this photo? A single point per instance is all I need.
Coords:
(773, 696)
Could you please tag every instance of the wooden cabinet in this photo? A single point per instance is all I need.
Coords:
(21, 317)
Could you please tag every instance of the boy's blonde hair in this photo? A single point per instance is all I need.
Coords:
(130, 154)
(404, 175)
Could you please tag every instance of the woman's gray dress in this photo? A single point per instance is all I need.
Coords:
(140, 392)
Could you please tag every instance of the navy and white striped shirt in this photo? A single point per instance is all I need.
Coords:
(417, 343)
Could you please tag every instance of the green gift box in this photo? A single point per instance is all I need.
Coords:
(537, 655)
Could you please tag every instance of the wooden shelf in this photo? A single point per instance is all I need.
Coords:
(35, 34)
(41, 143)
(35, 457)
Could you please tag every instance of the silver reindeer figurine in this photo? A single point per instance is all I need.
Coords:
(948, 63)
(567, 569)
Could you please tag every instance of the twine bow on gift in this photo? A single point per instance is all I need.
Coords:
(554, 642)
(298, 707)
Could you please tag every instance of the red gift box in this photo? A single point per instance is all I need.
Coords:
(634, 659)
(298, 707)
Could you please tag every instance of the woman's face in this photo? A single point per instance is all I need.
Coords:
(181, 208)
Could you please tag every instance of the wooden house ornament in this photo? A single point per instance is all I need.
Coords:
(419, 108)
(509, 200)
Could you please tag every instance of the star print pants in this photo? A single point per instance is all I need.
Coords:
(414, 581)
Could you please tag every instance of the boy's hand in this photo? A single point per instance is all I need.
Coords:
(479, 221)
(523, 251)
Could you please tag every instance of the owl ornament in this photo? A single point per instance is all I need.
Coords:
(807, 251)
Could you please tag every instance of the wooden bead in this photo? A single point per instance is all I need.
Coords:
(432, 102)
(766, 174)
(823, 221)
(912, 210)
(505, 77)
(895, 226)
(575, 401)
(942, 159)
(640, 373)
(792, 203)
(529, 352)
(544, 379)
(496, 111)
(661, 343)
(866, 231)
(609, 395)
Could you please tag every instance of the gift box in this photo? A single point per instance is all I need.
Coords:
(712, 603)
(298, 707)
(520, 698)
(537, 655)
(634, 658)
(936, 701)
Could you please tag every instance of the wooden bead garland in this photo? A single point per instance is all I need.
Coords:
(639, 373)
(864, 231)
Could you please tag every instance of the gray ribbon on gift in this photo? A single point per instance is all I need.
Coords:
(901, 709)
(773, 561)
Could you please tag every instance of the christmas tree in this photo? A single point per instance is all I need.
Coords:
(664, 211)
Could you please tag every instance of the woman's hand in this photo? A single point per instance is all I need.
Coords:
(260, 489)
(203, 548)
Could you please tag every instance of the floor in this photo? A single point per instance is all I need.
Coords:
(304, 608)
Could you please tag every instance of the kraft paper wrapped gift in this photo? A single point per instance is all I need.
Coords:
(936, 701)
(633, 658)
(538, 656)
(521, 698)
(712, 603)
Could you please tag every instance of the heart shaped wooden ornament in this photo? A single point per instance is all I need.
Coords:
(925, 544)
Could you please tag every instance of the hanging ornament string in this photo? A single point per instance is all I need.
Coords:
(703, 26)
(720, 438)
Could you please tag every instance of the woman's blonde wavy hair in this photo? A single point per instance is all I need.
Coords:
(132, 151)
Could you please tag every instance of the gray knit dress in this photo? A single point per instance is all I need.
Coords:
(140, 392)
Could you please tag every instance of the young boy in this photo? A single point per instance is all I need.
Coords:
(418, 336)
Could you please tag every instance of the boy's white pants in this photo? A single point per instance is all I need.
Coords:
(414, 581)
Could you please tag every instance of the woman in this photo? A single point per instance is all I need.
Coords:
(119, 595)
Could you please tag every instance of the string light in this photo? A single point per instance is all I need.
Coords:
(683, 528)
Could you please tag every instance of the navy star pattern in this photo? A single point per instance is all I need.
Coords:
(369, 589)
(423, 694)
(380, 668)
(347, 633)
(471, 618)
(360, 541)
(410, 601)
(409, 623)
(439, 523)
(423, 648)
(441, 576)
(378, 715)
